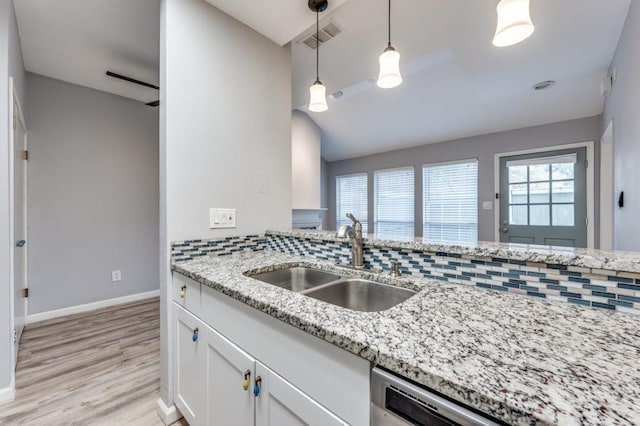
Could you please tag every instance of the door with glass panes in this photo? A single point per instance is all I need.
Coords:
(543, 198)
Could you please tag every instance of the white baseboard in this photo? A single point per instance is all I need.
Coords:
(168, 415)
(42, 316)
(8, 394)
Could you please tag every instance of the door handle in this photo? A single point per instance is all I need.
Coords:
(21, 243)
(504, 229)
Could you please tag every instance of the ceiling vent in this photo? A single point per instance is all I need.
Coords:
(326, 33)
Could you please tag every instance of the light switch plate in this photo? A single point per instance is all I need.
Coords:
(222, 218)
(487, 205)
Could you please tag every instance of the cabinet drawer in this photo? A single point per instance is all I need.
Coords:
(186, 293)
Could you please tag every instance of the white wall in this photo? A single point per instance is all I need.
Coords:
(93, 195)
(305, 158)
(623, 107)
(225, 134)
(11, 65)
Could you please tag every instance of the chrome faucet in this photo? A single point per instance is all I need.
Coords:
(355, 236)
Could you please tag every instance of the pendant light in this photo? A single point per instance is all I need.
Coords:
(317, 91)
(514, 23)
(389, 75)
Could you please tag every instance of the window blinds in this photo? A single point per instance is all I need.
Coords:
(394, 202)
(351, 197)
(450, 202)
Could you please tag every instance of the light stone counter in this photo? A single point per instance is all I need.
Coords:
(520, 359)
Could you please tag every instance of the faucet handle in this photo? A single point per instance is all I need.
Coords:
(395, 270)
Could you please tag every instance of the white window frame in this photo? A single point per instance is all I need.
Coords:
(589, 145)
(375, 213)
(453, 163)
(366, 175)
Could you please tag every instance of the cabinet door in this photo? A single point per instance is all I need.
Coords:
(282, 404)
(187, 293)
(228, 402)
(189, 366)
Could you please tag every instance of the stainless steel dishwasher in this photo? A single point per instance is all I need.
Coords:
(398, 402)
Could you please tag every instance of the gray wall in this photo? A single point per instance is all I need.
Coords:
(483, 148)
(225, 134)
(11, 65)
(93, 195)
(623, 107)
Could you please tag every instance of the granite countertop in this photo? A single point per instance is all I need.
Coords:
(552, 255)
(520, 359)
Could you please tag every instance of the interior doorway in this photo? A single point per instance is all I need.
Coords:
(18, 138)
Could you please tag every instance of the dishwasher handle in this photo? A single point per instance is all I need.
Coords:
(441, 407)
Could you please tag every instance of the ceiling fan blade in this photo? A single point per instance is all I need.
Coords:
(153, 103)
(132, 80)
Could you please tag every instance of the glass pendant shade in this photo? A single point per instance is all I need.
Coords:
(318, 98)
(389, 69)
(514, 23)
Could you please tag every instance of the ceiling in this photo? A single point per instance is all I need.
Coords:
(279, 20)
(79, 40)
(456, 83)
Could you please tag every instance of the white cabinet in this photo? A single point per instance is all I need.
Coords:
(186, 293)
(188, 367)
(229, 380)
(314, 379)
(282, 404)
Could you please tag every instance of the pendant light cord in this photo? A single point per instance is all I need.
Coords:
(317, 46)
(389, 16)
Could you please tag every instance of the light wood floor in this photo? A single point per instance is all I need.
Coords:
(97, 368)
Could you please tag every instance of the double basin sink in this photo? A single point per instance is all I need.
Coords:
(352, 293)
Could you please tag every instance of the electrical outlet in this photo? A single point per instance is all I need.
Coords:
(116, 276)
(222, 218)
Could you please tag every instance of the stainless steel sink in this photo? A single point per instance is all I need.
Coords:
(297, 278)
(361, 295)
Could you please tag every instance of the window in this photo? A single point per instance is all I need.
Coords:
(351, 197)
(450, 202)
(394, 201)
(541, 191)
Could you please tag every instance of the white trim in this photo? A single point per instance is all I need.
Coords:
(413, 167)
(590, 184)
(42, 316)
(451, 163)
(8, 394)
(353, 175)
(168, 415)
(14, 109)
(537, 161)
(607, 189)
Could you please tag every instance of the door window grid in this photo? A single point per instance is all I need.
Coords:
(351, 197)
(542, 194)
(394, 203)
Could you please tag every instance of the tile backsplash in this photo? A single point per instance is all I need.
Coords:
(597, 288)
(181, 251)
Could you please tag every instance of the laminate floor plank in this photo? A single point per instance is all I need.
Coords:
(95, 368)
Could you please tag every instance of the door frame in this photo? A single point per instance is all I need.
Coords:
(18, 112)
(589, 145)
(607, 188)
